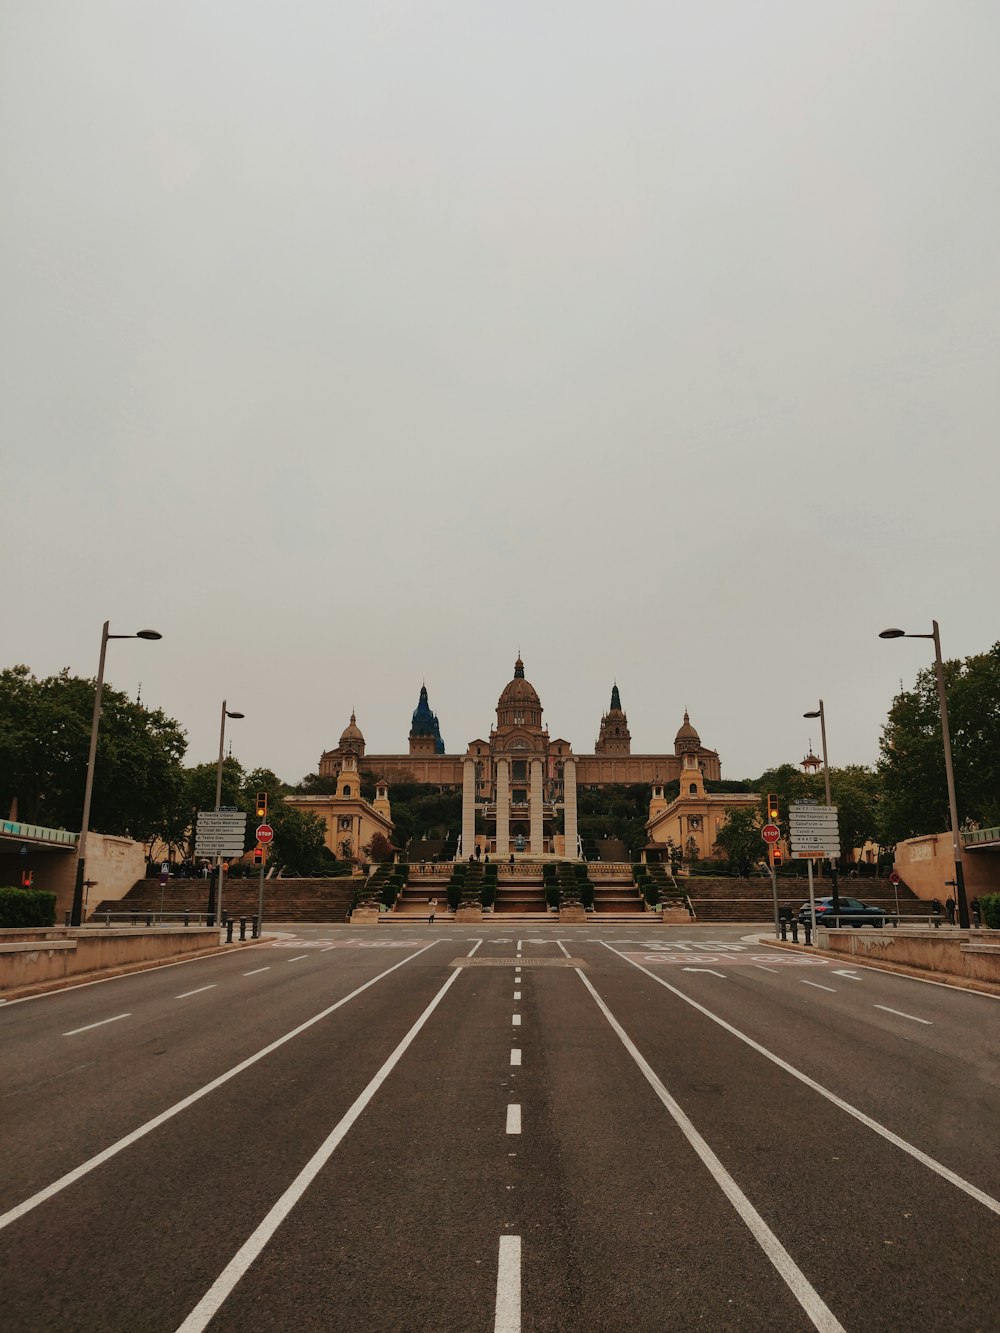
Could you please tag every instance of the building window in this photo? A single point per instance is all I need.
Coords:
(693, 789)
(347, 791)
(345, 821)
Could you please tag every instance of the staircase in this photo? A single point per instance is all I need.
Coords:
(284, 899)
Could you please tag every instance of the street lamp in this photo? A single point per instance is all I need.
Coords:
(76, 915)
(226, 712)
(820, 712)
(956, 837)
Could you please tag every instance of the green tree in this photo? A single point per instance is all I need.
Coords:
(911, 763)
(44, 742)
(739, 838)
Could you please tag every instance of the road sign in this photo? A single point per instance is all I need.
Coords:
(228, 819)
(770, 833)
(265, 834)
(894, 878)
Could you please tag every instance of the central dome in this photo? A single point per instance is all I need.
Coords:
(519, 690)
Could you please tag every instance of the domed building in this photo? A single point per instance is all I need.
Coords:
(518, 782)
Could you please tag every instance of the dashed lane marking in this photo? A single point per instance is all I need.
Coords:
(514, 1118)
(194, 992)
(515, 1056)
(517, 995)
(256, 970)
(73, 1031)
(899, 1014)
(508, 1309)
(516, 1020)
(298, 959)
(831, 989)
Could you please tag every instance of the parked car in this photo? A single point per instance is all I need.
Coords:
(852, 912)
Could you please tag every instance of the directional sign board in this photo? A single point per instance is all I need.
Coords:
(813, 830)
(220, 833)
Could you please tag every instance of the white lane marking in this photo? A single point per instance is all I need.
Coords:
(516, 1020)
(899, 1014)
(106, 1154)
(514, 1118)
(917, 1154)
(195, 992)
(515, 1057)
(843, 972)
(73, 1031)
(798, 1284)
(508, 1315)
(256, 970)
(706, 969)
(761, 968)
(519, 943)
(517, 995)
(299, 957)
(225, 1283)
(332, 946)
(831, 989)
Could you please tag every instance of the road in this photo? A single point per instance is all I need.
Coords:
(448, 1129)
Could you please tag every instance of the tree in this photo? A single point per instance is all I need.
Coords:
(379, 849)
(739, 838)
(911, 763)
(44, 744)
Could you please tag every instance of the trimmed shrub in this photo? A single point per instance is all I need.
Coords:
(26, 907)
(489, 892)
(552, 895)
(586, 894)
(651, 893)
(989, 907)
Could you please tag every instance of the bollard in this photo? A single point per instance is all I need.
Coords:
(185, 916)
(68, 915)
(784, 929)
(149, 918)
(229, 930)
(808, 929)
(795, 932)
(243, 927)
(256, 927)
(107, 918)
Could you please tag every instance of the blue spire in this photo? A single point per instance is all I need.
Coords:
(425, 722)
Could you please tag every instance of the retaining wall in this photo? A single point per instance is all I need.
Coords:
(977, 958)
(33, 957)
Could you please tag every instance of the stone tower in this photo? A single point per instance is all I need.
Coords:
(614, 737)
(425, 730)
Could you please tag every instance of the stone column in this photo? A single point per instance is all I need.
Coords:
(535, 799)
(569, 806)
(468, 807)
(503, 809)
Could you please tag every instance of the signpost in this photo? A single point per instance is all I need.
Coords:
(814, 833)
(219, 833)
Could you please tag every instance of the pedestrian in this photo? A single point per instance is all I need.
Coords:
(431, 909)
(976, 917)
(949, 907)
(486, 859)
(511, 861)
(479, 851)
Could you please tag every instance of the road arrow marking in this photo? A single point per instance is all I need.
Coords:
(843, 972)
(705, 969)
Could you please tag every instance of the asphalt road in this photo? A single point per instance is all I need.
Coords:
(440, 1129)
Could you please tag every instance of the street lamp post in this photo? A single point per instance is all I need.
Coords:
(76, 915)
(217, 896)
(820, 712)
(956, 837)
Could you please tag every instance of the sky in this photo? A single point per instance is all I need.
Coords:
(356, 346)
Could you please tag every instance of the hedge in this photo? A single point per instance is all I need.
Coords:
(989, 906)
(27, 907)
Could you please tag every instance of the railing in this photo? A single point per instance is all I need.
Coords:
(980, 836)
(36, 833)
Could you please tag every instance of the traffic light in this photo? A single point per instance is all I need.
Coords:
(776, 857)
(27, 878)
(258, 856)
(262, 805)
(772, 808)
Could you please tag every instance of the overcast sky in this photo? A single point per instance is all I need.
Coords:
(355, 345)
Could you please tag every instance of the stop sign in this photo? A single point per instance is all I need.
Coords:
(894, 878)
(265, 833)
(770, 833)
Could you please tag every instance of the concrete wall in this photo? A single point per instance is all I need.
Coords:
(946, 951)
(29, 957)
(926, 863)
(114, 863)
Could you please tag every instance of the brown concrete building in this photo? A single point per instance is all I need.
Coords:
(351, 821)
(520, 779)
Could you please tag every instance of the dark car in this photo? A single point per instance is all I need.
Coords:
(852, 912)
